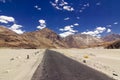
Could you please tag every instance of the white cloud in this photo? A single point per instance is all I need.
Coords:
(78, 17)
(40, 27)
(61, 5)
(109, 30)
(14, 27)
(17, 28)
(68, 8)
(109, 26)
(64, 34)
(67, 18)
(81, 11)
(86, 5)
(56, 1)
(98, 4)
(42, 21)
(97, 32)
(115, 23)
(3, 21)
(42, 24)
(67, 30)
(76, 24)
(55, 6)
(100, 29)
(6, 19)
(37, 7)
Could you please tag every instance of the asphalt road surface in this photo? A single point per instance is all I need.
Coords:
(56, 66)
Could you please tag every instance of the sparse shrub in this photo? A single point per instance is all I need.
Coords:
(86, 56)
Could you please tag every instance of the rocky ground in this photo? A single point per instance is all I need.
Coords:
(20, 64)
(103, 60)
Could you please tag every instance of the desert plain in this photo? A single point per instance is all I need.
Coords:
(20, 64)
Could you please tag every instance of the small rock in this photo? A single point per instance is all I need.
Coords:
(28, 56)
(36, 52)
(11, 59)
(115, 74)
(84, 61)
(7, 71)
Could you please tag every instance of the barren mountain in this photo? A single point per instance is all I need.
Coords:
(82, 40)
(9, 38)
(47, 38)
(111, 37)
(114, 45)
(44, 38)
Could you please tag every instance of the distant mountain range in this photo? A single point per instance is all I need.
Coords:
(111, 37)
(47, 38)
(82, 40)
(114, 45)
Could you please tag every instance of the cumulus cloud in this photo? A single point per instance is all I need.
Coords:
(42, 24)
(6, 19)
(97, 32)
(55, 6)
(14, 27)
(100, 29)
(109, 30)
(115, 23)
(68, 8)
(76, 24)
(62, 5)
(37, 7)
(68, 30)
(86, 5)
(64, 34)
(3, 21)
(67, 18)
(17, 28)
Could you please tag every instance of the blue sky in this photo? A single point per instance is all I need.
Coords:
(65, 17)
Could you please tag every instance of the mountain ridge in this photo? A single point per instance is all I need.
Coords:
(47, 38)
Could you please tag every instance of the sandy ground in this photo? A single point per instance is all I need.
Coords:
(14, 64)
(103, 60)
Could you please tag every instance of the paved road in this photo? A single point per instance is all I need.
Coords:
(56, 66)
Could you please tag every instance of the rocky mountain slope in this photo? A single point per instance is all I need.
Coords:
(82, 40)
(114, 45)
(111, 37)
(9, 38)
(44, 38)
